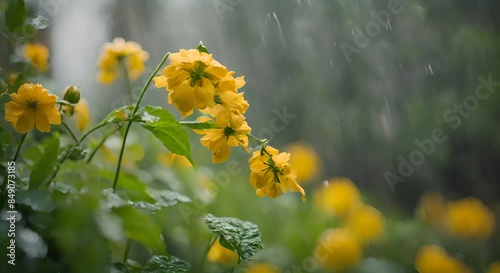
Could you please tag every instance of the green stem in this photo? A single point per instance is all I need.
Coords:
(136, 108)
(59, 164)
(101, 143)
(5, 180)
(19, 147)
(71, 132)
(127, 250)
(127, 79)
(261, 141)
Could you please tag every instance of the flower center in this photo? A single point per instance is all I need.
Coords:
(228, 131)
(32, 104)
(271, 166)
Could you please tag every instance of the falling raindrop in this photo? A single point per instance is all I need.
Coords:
(282, 37)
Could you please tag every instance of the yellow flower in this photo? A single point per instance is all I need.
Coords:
(338, 249)
(432, 208)
(32, 105)
(494, 268)
(190, 79)
(229, 109)
(272, 174)
(171, 159)
(82, 115)
(112, 54)
(38, 55)
(219, 140)
(262, 268)
(434, 259)
(366, 222)
(221, 255)
(338, 197)
(470, 218)
(305, 160)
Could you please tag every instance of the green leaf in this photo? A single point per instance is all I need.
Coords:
(141, 227)
(240, 236)
(201, 48)
(43, 169)
(37, 200)
(198, 125)
(164, 199)
(134, 188)
(15, 14)
(165, 127)
(119, 268)
(112, 200)
(165, 264)
(40, 22)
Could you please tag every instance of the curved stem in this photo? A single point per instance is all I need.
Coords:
(59, 164)
(127, 250)
(136, 108)
(101, 143)
(261, 141)
(71, 132)
(5, 180)
(19, 147)
(127, 79)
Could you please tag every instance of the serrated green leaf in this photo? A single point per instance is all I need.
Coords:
(141, 227)
(165, 264)
(43, 169)
(165, 127)
(37, 200)
(15, 14)
(135, 188)
(40, 22)
(112, 200)
(164, 199)
(242, 237)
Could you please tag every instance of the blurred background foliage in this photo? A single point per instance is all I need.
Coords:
(359, 114)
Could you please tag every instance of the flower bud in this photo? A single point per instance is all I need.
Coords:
(72, 94)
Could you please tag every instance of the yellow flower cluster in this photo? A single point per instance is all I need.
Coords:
(342, 248)
(271, 173)
(32, 106)
(434, 259)
(195, 80)
(120, 52)
(468, 218)
(38, 55)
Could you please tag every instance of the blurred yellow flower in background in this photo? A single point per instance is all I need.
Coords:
(306, 162)
(32, 105)
(366, 222)
(38, 55)
(190, 79)
(173, 160)
(113, 54)
(338, 249)
(434, 259)
(133, 153)
(338, 197)
(272, 174)
(432, 208)
(82, 115)
(494, 267)
(221, 255)
(261, 268)
(220, 140)
(470, 218)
